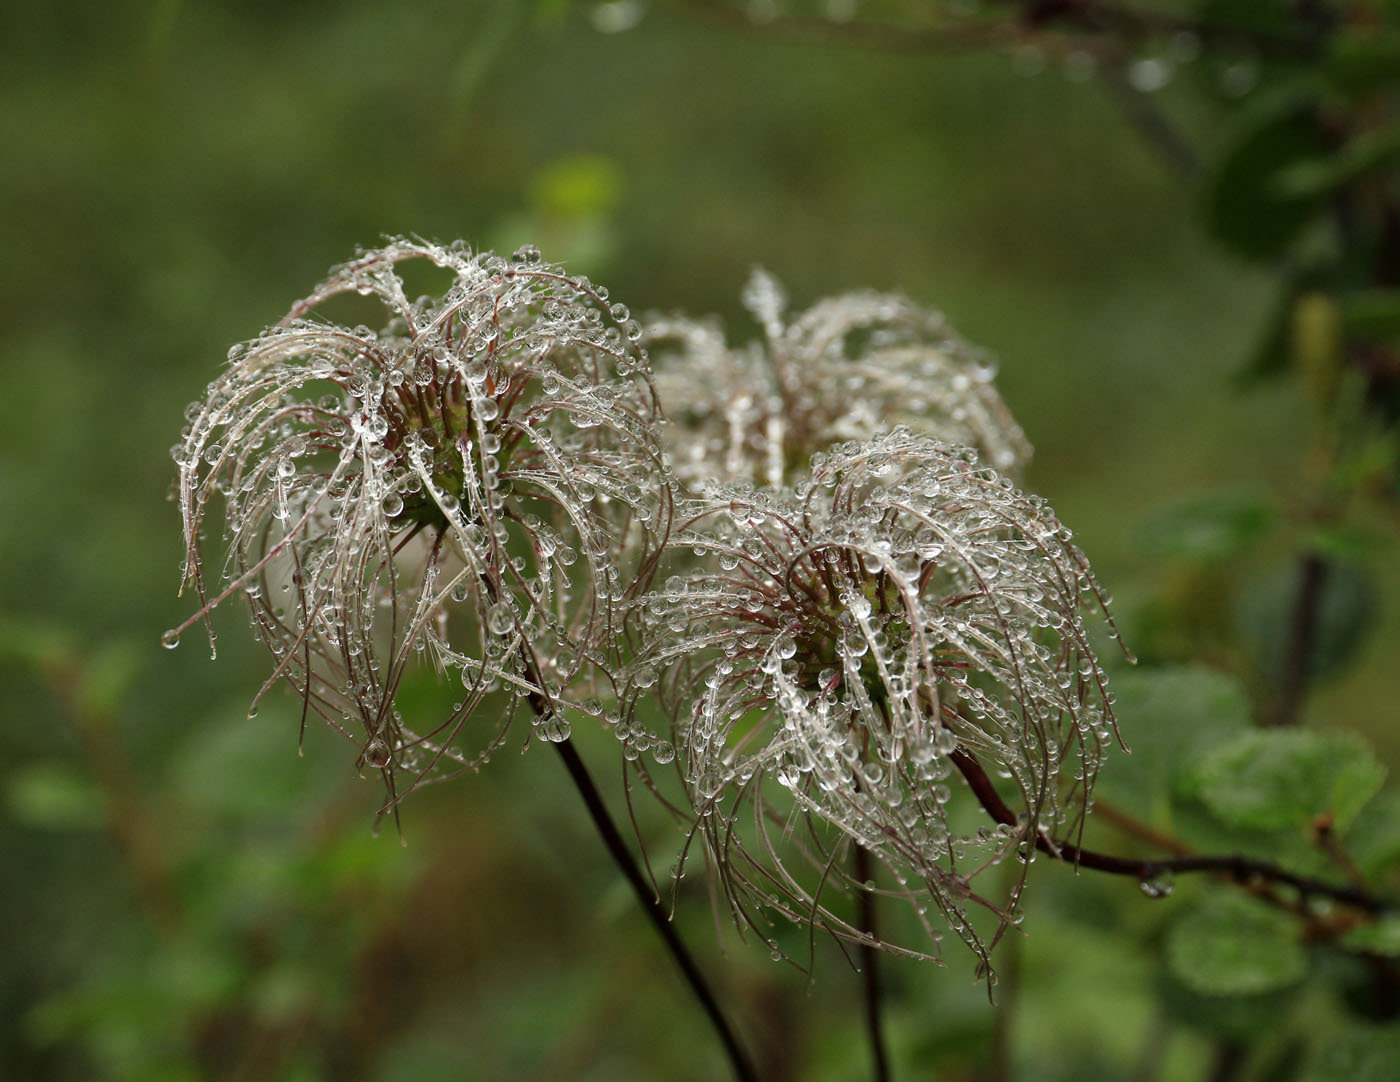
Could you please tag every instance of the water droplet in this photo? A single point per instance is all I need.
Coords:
(377, 754)
(1079, 66)
(1149, 74)
(1239, 79)
(1157, 886)
(170, 640)
(1028, 61)
(553, 728)
(499, 618)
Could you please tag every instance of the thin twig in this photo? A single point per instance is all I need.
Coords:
(870, 966)
(647, 899)
(1146, 117)
(1008, 993)
(1325, 838)
(641, 887)
(1135, 827)
(1240, 869)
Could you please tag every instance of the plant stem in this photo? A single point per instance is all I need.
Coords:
(632, 872)
(622, 857)
(870, 966)
(1136, 828)
(1000, 1066)
(1302, 639)
(1239, 868)
(1147, 119)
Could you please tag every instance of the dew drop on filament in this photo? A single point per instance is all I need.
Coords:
(377, 754)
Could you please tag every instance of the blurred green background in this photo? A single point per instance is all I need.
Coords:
(187, 899)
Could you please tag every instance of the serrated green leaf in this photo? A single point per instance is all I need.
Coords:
(1278, 779)
(1235, 946)
(1368, 1055)
(1211, 528)
(1379, 937)
(1170, 718)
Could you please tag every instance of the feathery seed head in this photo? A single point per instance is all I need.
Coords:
(844, 643)
(477, 483)
(849, 368)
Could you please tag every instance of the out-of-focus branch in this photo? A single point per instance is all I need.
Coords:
(1240, 869)
(1140, 110)
(1118, 25)
(1302, 640)
(627, 864)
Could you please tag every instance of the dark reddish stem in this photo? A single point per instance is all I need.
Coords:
(1302, 640)
(646, 898)
(1241, 869)
(870, 966)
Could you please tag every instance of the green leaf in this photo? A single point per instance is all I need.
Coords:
(109, 673)
(1244, 206)
(1211, 528)
(1235, 1017)
(1380, 937)
(1170, 718)
(1374, 841)
(1372, 313)
(247, 769)
(1235, 946)
(1368, 1055)
(1320, 176)
(577, 186)
(1249, 16)
(1361, 58)
(53, 796)
(1277, 779)
(1349, 541)
(34, 642)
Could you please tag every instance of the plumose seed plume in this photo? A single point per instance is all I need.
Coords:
(475, 483)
